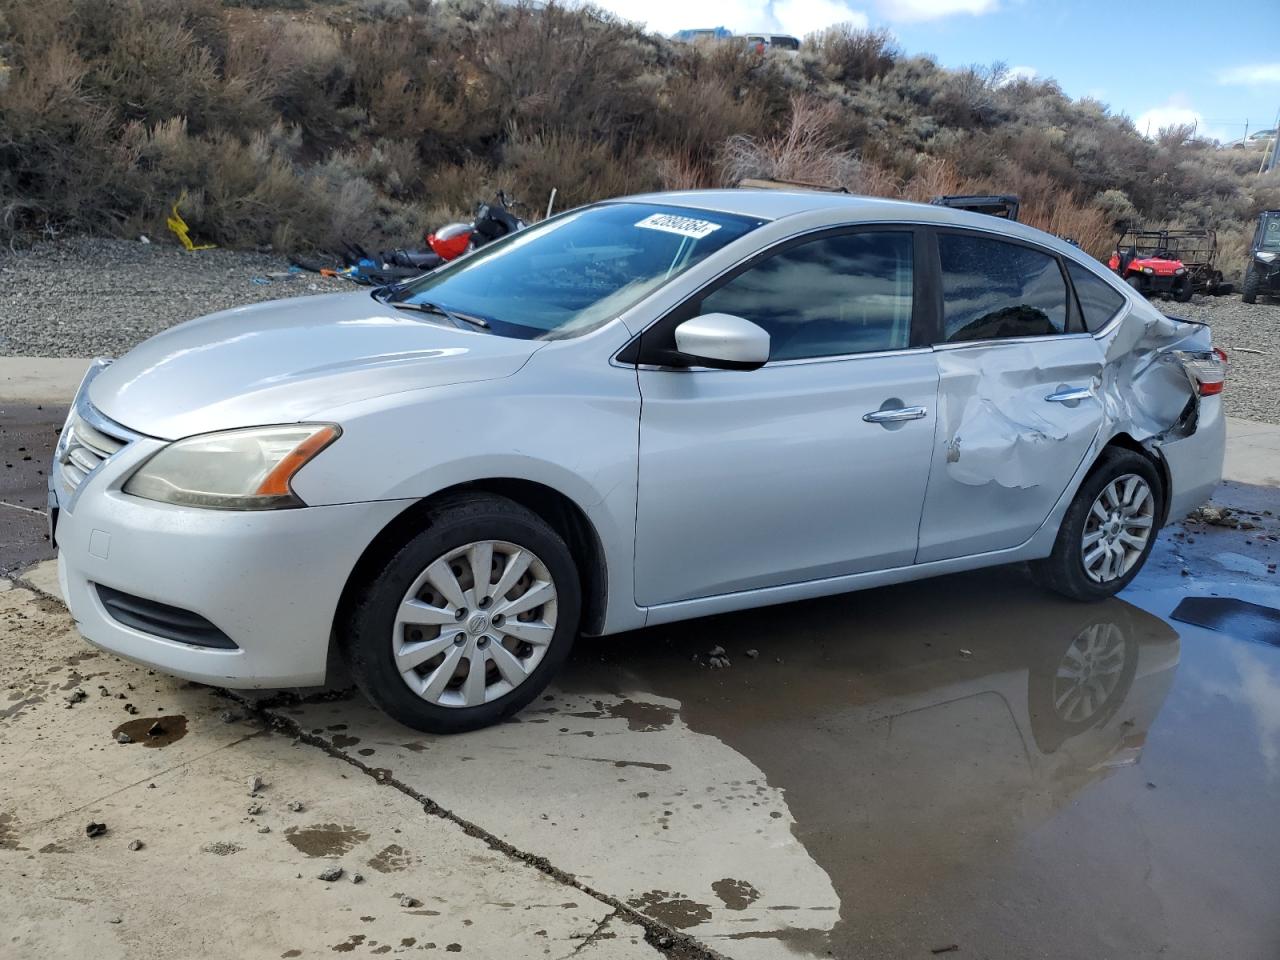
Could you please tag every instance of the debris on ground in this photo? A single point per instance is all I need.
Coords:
(949, 948)
(123, 737)
(76, 695)
(330, 874)
(229, 716)
(95, 829)
(254, 809)
(966, 654)
(752, 654)
(256, 783)
(130, 709)
(357, 878)
(136, 844)
(1214, 516)
(264, 829)
(156, 729)
(221, 848)
(410, 902)
(296, 806)
(716, 658)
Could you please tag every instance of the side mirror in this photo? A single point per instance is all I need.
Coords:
(723, 341)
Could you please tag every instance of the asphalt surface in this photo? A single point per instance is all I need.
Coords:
(886, 774)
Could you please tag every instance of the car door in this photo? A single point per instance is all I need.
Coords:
(1017, 400)
(812, 466)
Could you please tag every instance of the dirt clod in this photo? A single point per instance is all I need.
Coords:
(136, 844)
(410, 902)
(256, 783)
(95, 829)
(330, 874)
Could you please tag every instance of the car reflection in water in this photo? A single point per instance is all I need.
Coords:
(919, 732)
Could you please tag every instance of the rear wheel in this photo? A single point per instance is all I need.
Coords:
(1108, 531)
(1252, 284)
(468, 621)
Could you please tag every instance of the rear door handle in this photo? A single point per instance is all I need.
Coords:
(895, 415)
(1070, 395)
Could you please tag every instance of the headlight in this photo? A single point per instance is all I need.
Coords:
(234, 470)
(1266, 257)
(1147, 270)
(1179, 272)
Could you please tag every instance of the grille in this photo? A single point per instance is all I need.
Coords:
(83, 449)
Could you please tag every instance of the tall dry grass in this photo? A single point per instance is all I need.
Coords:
(299, 122)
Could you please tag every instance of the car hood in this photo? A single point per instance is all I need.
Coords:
(289, 360)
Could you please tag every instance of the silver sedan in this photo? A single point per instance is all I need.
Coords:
(636, 412)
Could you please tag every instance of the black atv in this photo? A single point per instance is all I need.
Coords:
(1263, 273)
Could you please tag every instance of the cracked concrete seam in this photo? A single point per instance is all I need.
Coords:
(666, 940)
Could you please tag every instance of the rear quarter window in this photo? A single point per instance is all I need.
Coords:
(1098, 301)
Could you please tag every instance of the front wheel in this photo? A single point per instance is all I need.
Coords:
(1252, 284)
(1182, 292)
(1137, 284)
(1108, 531)
(468, 621)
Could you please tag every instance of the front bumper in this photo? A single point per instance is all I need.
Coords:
(269, 580)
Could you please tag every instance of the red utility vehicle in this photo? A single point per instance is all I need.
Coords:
(1152, 272)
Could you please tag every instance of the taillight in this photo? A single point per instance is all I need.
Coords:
(1206, 371)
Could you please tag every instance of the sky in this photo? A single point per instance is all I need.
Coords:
(1216, 65)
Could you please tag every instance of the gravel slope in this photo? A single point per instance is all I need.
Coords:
(80, 298)
(89, 297)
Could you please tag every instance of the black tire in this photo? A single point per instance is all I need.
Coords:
(1182, 291)
(1252, 284)
(1063, 570)
(1137, 284)
(366, 632)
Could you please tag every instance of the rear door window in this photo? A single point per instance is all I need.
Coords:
(1098, 301)
(993, 290)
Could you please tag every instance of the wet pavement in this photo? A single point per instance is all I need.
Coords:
(28, 434)
(965, 762)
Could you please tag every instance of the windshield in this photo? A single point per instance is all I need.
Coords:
(1269, 232)
(577, 271)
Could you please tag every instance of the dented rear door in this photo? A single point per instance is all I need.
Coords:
(1015, 421)
(1018, 393)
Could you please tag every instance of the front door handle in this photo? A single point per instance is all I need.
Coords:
(1070, 395)
(895, 415)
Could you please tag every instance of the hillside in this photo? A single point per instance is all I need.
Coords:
(298, 124)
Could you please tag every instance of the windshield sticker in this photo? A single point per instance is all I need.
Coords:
(684, 226)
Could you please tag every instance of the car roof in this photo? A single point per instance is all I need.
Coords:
(768, 204)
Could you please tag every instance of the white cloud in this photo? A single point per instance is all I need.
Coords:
(915, 10)
(1014, 74)
(1252, 75)
(800, 17)
(797, 17)
(1150, 122)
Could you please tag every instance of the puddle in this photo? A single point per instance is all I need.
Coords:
(1238, 618)
(154, 731)
(1239, 563)
(391, 859)
(325, 839)
(673, 909)
(735, 894)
